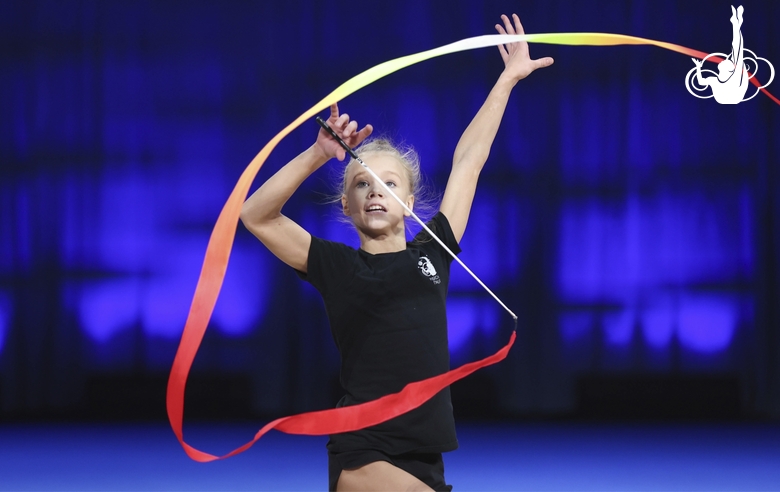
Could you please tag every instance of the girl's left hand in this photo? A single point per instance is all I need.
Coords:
(517, 61)
(346, 129)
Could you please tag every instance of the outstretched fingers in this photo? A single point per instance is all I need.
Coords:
(348, 129)
(517, 60)
(508, 28)
(518, 26)
(352, 137)
(501, 48)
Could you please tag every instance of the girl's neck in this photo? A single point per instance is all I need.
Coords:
(382, 244)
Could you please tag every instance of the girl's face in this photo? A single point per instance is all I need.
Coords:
(372, 210)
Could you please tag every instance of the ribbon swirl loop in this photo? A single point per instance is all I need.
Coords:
(220, 243)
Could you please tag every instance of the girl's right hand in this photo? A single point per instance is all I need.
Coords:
(517, 61)
(345, 129)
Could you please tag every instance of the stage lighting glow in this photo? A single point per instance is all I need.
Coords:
(461, 321)
(619, 327)
(127, 234)
(108, 307)
(707, 323)
(466, 316)
(657, 322)
(245, 293)
(483, 248)
(611, 255)
(242, 301)
(164, 305)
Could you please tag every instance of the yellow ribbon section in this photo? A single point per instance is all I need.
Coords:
(221, 240)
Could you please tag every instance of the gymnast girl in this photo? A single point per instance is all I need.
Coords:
(386, 300)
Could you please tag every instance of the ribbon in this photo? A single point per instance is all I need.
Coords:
(346, 419)
(220, 243)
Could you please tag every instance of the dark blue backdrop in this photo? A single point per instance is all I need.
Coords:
(633, 227)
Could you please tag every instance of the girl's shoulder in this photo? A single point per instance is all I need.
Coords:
(438, 224)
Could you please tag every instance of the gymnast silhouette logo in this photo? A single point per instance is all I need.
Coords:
(731, 82)
(426, 267)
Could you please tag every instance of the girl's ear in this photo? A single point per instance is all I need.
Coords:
(410, 204)
(345, 205)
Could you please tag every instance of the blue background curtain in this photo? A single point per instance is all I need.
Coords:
(633, 227)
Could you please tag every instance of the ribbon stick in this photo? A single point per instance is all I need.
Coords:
(221, 241)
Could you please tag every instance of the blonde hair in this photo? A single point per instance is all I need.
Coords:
(425, 202)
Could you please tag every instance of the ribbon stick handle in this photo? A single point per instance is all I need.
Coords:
(338, 139)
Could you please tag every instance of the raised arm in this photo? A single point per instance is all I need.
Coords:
(262, 212)
(474, 145)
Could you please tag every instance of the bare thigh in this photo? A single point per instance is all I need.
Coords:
(379, 476)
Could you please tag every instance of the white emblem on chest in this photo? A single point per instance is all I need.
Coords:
(426, 267)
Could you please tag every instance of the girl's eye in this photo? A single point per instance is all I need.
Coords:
(390, 184)
(362, 184)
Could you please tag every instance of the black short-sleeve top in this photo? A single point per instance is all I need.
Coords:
(387, 314)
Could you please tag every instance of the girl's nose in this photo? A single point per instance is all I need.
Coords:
(375, 192)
